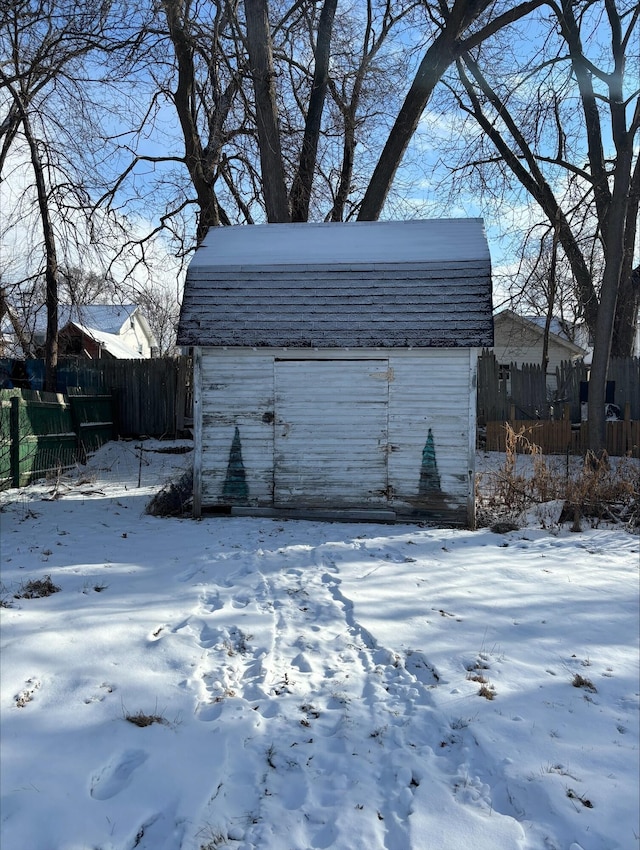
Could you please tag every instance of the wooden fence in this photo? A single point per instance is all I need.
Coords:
(525, 388)
(154, 398)
(561, 437)
(42, 434)
(151, 398)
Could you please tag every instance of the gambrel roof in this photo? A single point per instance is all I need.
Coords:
(391, 284)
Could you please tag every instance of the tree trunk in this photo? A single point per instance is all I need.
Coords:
(303, 181)
(51, 258)
(607, 310)
(551, 301)
(18, 329)
(624, 330)
(183, 98)
(263, 75)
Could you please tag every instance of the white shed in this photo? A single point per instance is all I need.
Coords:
(335, 368)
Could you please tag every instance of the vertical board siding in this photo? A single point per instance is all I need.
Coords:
(331, 432)
(237, 392)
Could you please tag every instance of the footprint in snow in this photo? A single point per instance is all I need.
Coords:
(209, 637)
(105, 688)
(189, 573)
(211, 602)
(240, 602)
(116, 776)
(418, 666)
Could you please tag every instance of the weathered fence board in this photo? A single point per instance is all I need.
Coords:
(529, 390)
(492, 398)
(569, 375)
(526, 389)
(560, 437)
(625, 372)
(151, 397)
(552, 437)
(42, 434)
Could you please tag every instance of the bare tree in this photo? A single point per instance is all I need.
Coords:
(528, 117)
(45, 91)
(303, 181)
(453, 23)
(203, 103)
(249, 84)
(262, 70)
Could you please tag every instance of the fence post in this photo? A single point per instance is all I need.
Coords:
(14, 441)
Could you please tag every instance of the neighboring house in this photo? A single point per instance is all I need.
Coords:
(100, 330)
(335, 367)
(520, 340)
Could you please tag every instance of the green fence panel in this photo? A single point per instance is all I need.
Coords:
(42, 434)
(93, 419)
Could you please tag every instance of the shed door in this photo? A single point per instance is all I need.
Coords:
(331, 432)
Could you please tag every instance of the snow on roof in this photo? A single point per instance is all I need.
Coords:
(556, 329)
(111, 343)
(393, 284)
(333, 243)
(108, 318)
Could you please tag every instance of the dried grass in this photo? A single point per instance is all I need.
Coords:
(596, 489)
(579, 681)
(174, 498)
(141, 719)
(37, 589)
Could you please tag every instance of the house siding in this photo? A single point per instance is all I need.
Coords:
(338, 429)
(515, 342)
(136, 337)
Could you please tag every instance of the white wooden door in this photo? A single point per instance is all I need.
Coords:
(330, 438)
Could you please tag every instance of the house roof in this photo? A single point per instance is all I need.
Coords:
(111, 343)
(107, 318)
(104, 323)
(334, 285)
(536, 324)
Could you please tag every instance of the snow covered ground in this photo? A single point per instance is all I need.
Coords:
(317, 685)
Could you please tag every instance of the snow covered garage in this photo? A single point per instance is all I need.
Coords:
(335, 368)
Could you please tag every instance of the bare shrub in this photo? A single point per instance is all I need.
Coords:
(36, 589)
(579, 681)
(595, 489)
(142, 719)
(487, 691)
(174, 497)
(5, 600)
(602, 491)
